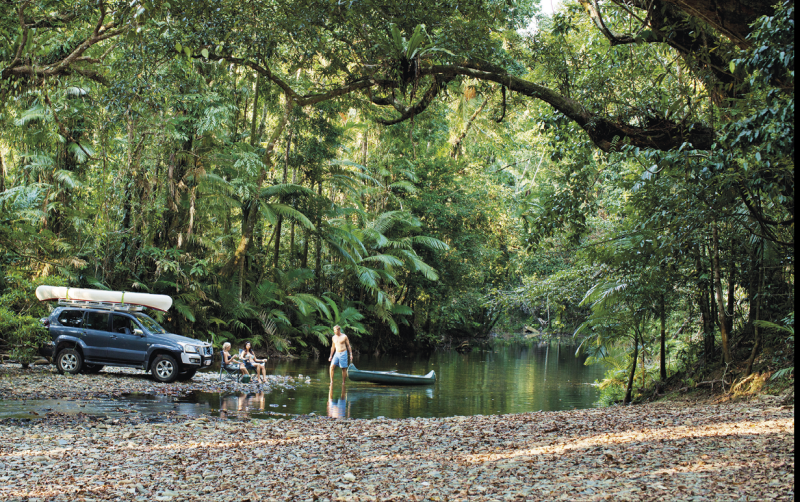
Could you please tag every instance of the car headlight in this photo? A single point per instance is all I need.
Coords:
(191, 349)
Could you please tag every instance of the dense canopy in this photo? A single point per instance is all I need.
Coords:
(422, 174)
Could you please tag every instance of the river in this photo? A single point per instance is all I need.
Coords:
(511, 379)
(507, 379)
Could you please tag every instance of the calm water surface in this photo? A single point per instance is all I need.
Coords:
(512, 379)
(504, 380)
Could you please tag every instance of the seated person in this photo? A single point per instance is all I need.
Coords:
(251, 362)
(230, 362)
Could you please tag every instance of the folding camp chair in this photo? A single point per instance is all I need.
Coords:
(225, 372)
(231, 371)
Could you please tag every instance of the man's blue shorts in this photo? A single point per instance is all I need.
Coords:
(340, 359)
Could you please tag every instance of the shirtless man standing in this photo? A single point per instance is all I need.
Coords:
(340, 349)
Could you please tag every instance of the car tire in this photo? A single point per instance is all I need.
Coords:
(92, 368)
(165, 369)
(187, 375)
(69, 361)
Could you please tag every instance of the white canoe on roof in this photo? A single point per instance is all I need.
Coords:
(158, 302)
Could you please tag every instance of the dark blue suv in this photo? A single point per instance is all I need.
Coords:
(86, 339)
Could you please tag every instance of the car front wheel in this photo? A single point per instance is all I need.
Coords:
(187, 375)
(165, 369)
(69, 361)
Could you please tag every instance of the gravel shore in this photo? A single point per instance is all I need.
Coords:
(44, 382)
(661, 451)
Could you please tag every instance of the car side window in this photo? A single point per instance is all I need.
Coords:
(71, 318)
(119, 323)
(97, 321)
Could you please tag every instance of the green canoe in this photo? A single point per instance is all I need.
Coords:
(389, 377)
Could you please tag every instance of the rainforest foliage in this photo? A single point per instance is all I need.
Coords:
(422, 174)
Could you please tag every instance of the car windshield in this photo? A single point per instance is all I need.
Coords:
(152, 326)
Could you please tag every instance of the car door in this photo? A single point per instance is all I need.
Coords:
(125, 345)
(96, 335)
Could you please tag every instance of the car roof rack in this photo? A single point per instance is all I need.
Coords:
(90, 304)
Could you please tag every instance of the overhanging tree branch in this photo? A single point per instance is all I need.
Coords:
(605, 132)
(433, 90)
(25, 68)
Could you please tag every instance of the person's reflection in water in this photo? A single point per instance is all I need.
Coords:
(227, 405)
(337, 408)
(223, 408)
(241, 402)
(250, 401)
(258, 401)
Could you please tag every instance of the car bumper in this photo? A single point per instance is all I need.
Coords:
(193, 360)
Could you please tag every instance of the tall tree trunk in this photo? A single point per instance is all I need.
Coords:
(756, 316)
(291, 230)
(663, 361)
(629, 388)
(127, 202)
(364, 148)
(318, 248)
(175, 217)
(67, 161)
(249, 224)
(726, 350)
(2, 174)
(731, 295)
(304, 260)
(253, 137)
(644, 367)
(703, 300)
(279, 224)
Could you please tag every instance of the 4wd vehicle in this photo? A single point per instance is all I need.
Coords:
(88, 335)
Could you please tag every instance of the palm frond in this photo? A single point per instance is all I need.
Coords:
(368, 277)
(290, 213)
(33, 114)
(185, 310)
(405, 186)
(388, 260)
(307, 303)
(430, 242)
(67, 178)
(284, 189)
(80, 152)
(402, 310)
(385, 221)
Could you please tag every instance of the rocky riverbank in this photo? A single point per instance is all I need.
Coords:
(661, 451)
(44, 382)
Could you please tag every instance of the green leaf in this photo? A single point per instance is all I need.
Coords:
(204, 52)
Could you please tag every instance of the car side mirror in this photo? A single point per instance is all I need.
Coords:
(137, 331)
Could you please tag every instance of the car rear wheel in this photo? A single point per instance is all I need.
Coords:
(69, 361)
(165, 369)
